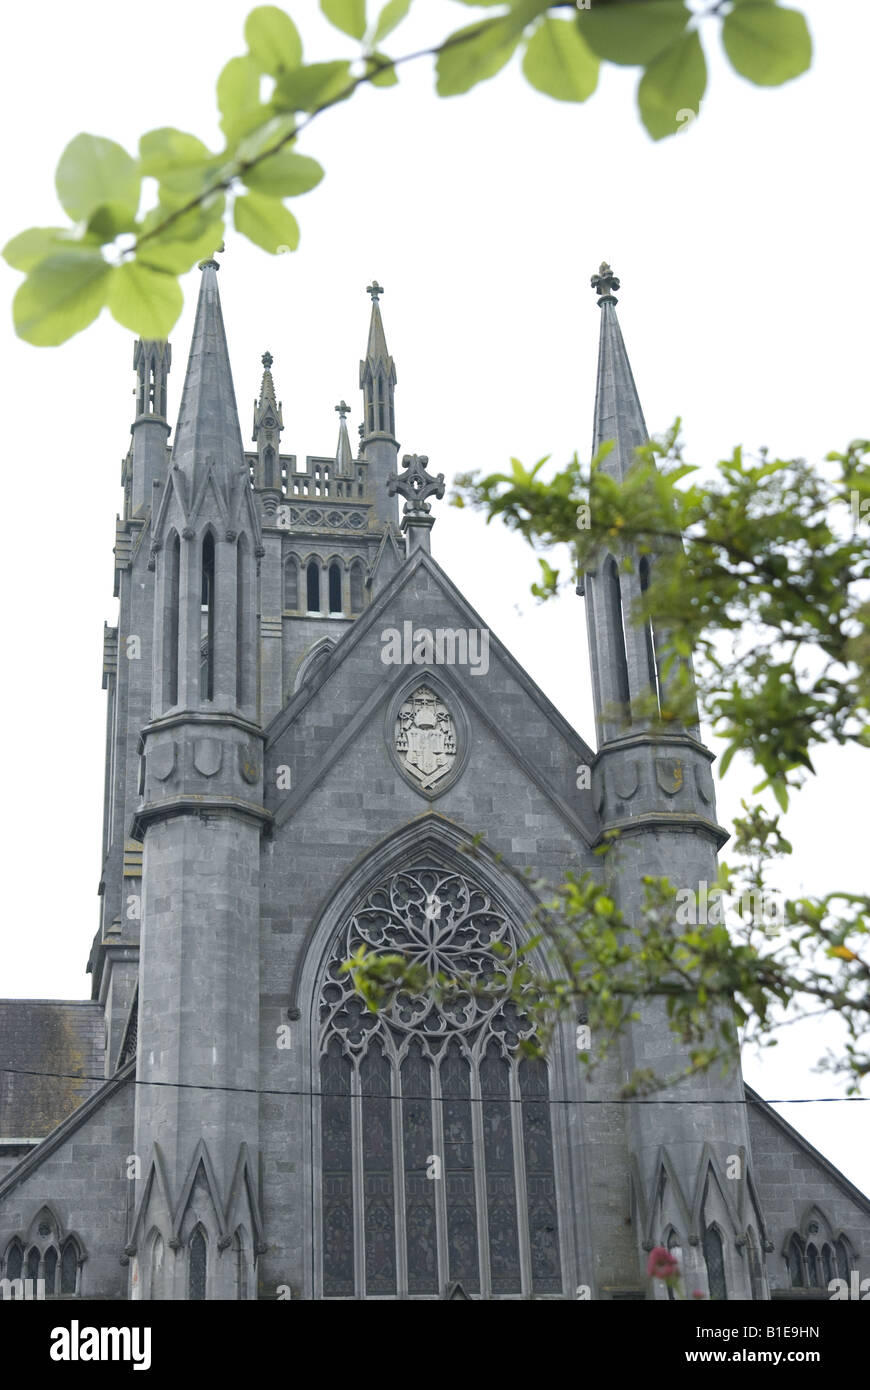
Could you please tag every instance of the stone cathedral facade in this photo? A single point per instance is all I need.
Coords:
(308, 725)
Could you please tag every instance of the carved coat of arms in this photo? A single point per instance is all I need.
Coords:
(425, 738)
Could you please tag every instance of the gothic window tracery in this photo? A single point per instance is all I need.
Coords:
(436, 1149)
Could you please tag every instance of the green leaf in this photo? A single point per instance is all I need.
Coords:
(675, 81)
(28, 248)
(93, 172)
(266, 222)
(472, 59)
(347, 15)
(145, 300)
(310, 87)
(177, 256)
(633, 32)
(273, 40)
(238, 97)
(165, 151)
(559, 62)
(110, 220)
(284, 175)
(383, 74)
(389, 18)
(766, 44)
(61, 296)
(188, 226)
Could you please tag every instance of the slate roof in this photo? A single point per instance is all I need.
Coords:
(47, 1035)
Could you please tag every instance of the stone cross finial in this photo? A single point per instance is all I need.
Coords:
(342, 409)
(375, 290)
(415, 485)
(604, 283)
(267, 360)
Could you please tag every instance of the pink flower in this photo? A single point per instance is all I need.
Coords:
(661, 1264)
(696, 1293)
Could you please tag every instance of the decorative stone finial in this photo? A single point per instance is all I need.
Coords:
(203, 265)
(342, 409)
(604, 283)
(267, 359)
(415, 485)
(375, 290)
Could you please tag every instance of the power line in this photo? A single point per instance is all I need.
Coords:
(524, 1100)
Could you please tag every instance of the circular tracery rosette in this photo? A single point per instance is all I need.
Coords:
(439, 919)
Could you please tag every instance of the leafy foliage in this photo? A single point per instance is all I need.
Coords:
(763, 574)
(110, 256)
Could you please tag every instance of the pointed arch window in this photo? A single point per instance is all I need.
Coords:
(291, 583)
(613, 606)
(813, 1272)
(172, 562)
(158, 1252)
(197, 1266)
(14, 1262)
(827, 1264)
(335, 601)
(357, 600)
(675, 1248)
(714, 1257)
(433, 1133)
(312, 582)
(32, 1267)
(653, 673)
(207, 622)
(269, 479)
(844, 1261)
(794, 1257)
(245, 655)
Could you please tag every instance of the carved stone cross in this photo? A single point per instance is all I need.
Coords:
(342, 409)
(604, 283)
(375, 290)
(416, 485)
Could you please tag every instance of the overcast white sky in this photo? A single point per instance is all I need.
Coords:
(741, 247)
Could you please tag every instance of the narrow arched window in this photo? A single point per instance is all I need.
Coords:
(207, 628)
(32, 1263)
(291, 583)
(844, 1264)
(714, 1257)
(813, 1273)
(269, 479)
(435, 1135)
(197, 1268)
(14, 1261)
(827, 1264)
(335, 603)
(356, 587)
(49, 1269)
(157, 1267)
(312, 576)
(795, 1261)
(653, 673)
(245, 656)
(172, 562)
(675, 1249)
(69, 1268)
(613, 605)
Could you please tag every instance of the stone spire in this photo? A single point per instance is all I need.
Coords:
(377, 378)
(618, 414)
(268, 424)
(151, 362)
(343, 453)
(207, 435)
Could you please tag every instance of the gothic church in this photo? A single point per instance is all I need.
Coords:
(307, 726)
